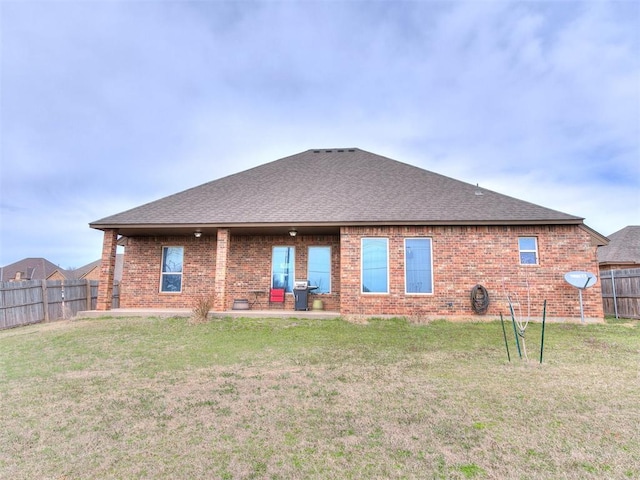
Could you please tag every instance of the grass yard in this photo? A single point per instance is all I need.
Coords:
(317, 399)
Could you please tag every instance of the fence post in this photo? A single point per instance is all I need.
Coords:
(615, 299)
(88, 293)
(45, 300)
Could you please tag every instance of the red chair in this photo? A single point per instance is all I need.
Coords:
(276, 295)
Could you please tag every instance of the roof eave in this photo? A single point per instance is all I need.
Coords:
(597, 239)
(211, 228)
(629, 263)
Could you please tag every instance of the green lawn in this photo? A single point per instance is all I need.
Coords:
(300, 399)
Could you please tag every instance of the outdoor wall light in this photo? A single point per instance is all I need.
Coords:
(197, 234)
(293, 232)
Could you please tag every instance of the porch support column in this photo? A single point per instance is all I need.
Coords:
(107, 269)
(220, 282)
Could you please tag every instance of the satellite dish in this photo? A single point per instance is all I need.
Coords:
(580, 280)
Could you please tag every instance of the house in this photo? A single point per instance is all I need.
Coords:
(623, 250)
(91, 271)
(43, 269)
(32, 269)
(378, 236)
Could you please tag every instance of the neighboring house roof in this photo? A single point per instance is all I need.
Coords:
(33, 268)
(30, 269)
(82, 272)
(332, 187)
(89, 270)
(623, 247)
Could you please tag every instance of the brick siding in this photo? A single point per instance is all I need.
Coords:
(248, 269)
(140, 286)
(462, 258)
(466, 256)
(249, 266)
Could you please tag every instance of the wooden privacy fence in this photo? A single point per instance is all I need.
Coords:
(621, 293)
(34, 301)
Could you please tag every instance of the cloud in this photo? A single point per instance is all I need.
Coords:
(108, 105)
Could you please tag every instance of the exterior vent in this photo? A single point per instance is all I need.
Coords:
(341, 150)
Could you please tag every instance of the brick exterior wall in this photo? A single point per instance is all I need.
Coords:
(140, 286)
(248, 269)
(462, 258)
(466, 256)
(249, 266)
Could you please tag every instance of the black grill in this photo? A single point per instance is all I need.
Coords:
(301, 289)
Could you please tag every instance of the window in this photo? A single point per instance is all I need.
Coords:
(282, 268)
(319, 269)
(375, 265)
(171, 277)
(528, 247)
(417, 265)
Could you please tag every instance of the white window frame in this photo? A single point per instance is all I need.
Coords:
(430, 266)
(163, 273)
(535, 251)
(362, 241)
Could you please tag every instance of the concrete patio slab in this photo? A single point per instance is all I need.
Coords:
(185, 312)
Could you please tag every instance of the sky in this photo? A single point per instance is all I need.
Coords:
(107, 105)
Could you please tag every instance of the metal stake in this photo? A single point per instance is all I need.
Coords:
(515, 330)
(504, 334)
(544, 316)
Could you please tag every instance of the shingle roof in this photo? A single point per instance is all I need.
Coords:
(31, 269)
(623, 247)
(81, 272)
(335, 186)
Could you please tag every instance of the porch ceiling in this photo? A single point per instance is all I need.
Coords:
(208, 230)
